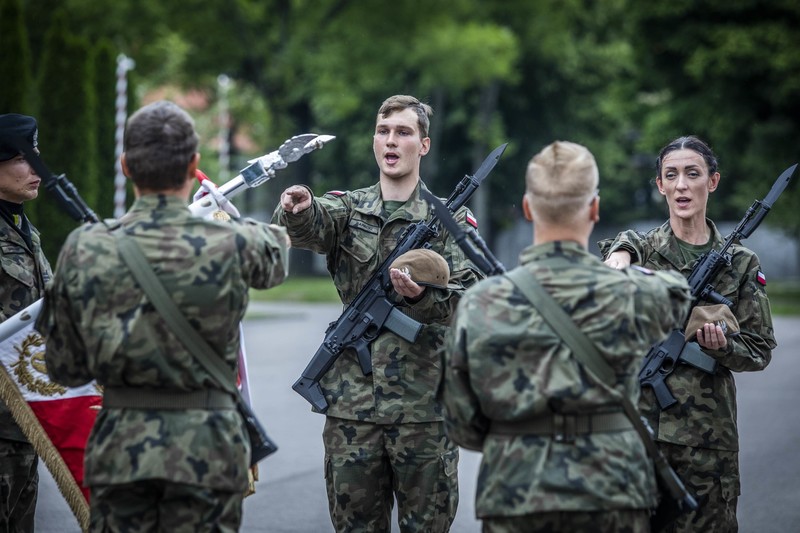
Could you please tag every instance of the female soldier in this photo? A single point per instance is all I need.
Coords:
(698, 433)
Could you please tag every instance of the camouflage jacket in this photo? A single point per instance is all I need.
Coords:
(355, 233)
(504, 364)
(99, 325)
(705, 415)
(24, 275)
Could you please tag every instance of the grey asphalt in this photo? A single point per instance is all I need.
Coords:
(290, 496)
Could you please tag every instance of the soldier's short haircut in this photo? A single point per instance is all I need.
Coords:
(561, 180)
(400, 102)
(160, 141)
(689, 142)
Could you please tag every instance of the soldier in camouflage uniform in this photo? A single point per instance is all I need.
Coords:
(25, 271)
(169, 451)
(698, 434)
(559, 454)
(384, 435)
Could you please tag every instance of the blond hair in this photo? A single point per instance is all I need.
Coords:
(561, 181)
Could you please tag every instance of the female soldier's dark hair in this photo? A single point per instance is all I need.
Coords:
(689, 142)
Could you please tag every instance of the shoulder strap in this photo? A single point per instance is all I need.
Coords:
(582, 348)
(132, 254)
(586, 353)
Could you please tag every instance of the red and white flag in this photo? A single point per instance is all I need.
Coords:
(55, 419)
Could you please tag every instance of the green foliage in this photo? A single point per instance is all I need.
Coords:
(619, 76)
(104, 59)
(300, 289)
(784, 298)
(67, 127)
(15, 64)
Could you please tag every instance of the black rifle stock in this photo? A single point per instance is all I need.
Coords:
(663, 357)
(373, 310)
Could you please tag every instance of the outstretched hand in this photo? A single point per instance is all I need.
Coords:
(296, 199)
(619, 259)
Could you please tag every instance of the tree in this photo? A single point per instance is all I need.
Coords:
(15, 61)
(67, 127)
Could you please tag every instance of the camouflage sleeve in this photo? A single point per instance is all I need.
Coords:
(628, 240)
(318, 227)
(464, 421)
(751, 350)
(664, 300)
(268, 257)
(65, 353)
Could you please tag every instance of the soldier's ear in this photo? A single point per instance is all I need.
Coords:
(594, 210)
(526, 208)
(124, 164)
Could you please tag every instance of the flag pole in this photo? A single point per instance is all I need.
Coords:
(124, 64)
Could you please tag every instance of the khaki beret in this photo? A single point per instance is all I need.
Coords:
(719, 314)
(425, 267)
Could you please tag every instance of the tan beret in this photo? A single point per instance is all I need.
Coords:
(719, 314)
(425, 267)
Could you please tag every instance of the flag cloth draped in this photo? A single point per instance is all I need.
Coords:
(55, 419)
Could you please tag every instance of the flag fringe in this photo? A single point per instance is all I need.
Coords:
(26, 419)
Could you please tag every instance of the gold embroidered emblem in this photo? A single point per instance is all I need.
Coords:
(31, 365)
(220, 215)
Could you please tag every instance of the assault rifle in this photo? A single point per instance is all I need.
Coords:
(373, 310)
(663, 357)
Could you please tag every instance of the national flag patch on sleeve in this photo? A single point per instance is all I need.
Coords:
(336, 193)
(761, 278)
(472, 221)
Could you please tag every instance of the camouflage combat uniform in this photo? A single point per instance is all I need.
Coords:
(149, 468)
(699, 433)
(386, 425)
(24, 272)
(506, 371)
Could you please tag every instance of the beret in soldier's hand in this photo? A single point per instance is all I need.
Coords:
(719, 314)
(425, 267)
(16, 129)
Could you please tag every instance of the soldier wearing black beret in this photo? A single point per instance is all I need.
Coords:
(23, 273)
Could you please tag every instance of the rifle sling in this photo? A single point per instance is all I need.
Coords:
(197, 346)
(586, 353)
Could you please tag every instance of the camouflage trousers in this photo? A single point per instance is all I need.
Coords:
(712, 476)
(368, 465)
(620, 521)
(19, 485)
(162, 506)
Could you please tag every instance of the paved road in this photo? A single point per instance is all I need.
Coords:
(290, 497)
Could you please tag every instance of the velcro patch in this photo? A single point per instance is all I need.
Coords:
(472, 221)
(336, 193)
(761, 278)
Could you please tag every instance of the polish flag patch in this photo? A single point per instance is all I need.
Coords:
(336, 193)
(472, 221)
(761, 278)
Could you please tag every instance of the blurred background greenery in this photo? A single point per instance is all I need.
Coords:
(622, 77)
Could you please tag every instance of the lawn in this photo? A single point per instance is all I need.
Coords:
(299, 289)
(784, 296)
